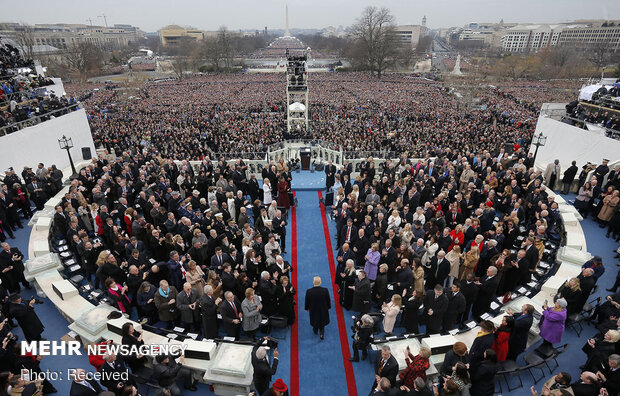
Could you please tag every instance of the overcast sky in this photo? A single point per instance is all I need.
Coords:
(150, 15)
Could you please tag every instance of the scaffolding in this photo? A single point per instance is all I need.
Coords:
(296, 92)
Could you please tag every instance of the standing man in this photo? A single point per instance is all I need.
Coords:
(386, 366)
(231, 315)
(318, 305)
(187, 303)
(26, 317)
(569, 176)
(262, 370)
(12, 268)
(330, 175)
(208, 307)
(456, 306)
(552, 173)
(435, 306)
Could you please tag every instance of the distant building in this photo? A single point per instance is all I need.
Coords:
(579, 34)
(64, 36)
(171, 35)
(410, 34)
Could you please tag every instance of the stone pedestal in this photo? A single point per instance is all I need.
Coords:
(572, 255)
(40, 248)
(43, 223)
(92, 324)
(64, 289)
(230, 371)
(38, 265)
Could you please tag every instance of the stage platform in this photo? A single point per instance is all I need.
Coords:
(308, 181)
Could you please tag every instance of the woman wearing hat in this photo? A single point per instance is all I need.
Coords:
(278, 388)
(552, 322)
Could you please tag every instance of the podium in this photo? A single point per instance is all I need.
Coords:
(305, 153)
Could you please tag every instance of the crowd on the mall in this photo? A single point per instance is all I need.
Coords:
(240, 115)
(175, 245)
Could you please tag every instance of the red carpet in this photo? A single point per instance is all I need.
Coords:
(342, 329)
(294, 385)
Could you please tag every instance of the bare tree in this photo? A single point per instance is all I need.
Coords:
(375, 41)
(84, 58)
(226, 46)
(25, 39)
(600, 52)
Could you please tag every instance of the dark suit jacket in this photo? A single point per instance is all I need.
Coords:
(456, 304)
(81, 390)
(580, 389)
(390, 369)
(476, 352)
(439, 306)
(262, 371)
(442, 272)
(228, 313)
(352, 237)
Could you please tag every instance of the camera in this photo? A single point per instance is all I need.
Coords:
(37, 301)
(272, 342)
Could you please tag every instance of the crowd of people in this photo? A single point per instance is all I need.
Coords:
(21, 96)
(239, 115)
(176, 245)
(451, 235)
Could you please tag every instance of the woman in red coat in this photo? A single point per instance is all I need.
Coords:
(283, 190)
(416, 366)
(502, 335)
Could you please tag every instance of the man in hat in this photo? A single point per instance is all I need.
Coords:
(260, 363)
(278, 388)
(26, 317)
(601, 171)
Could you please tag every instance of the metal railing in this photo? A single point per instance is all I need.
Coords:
(16, 126)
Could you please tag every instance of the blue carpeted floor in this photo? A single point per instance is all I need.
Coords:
(321, 363)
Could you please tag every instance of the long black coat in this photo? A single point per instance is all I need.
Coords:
(208, 308)
(318, 305)
(439, 306)
(361, 296)
(518, 336)
(27, 319)
(483, 379)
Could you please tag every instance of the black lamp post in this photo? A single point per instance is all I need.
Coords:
(538, 140)
(67, 144)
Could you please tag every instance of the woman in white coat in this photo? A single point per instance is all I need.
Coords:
(267, 192)
(391, 311)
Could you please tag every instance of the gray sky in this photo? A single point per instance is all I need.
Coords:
(150, 15)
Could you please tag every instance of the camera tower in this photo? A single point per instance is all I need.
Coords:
(296, 92)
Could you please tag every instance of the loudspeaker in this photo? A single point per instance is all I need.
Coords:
(86, 155)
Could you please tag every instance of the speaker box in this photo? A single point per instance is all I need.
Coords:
(86, 154)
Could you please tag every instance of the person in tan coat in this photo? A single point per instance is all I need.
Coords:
(454, 257)
(470, 260)
(418, 276)
(609, 205)
(391, 311)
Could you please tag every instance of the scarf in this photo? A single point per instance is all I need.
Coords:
(164, 295)
(120, 303)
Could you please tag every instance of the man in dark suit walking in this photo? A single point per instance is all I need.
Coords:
(435, 306)
(318, 305)
(35, 189)
(470, 292)
(231, 315)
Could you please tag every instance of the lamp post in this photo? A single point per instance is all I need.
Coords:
(538, 140)
(66, 144)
